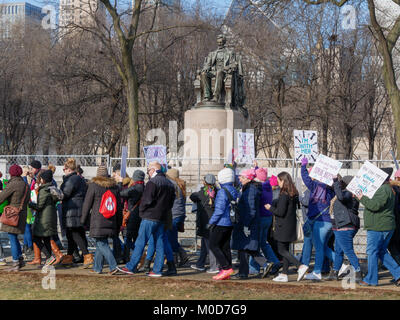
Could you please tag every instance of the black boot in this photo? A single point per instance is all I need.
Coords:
(183, 257)
(359, 276)
(77, 257)
(126, 254)
(171, 269)
(146, 266)
(333, 275)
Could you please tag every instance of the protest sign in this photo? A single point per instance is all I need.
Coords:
(246, 152)
(368, 179)
(123, 161)
(325, 169)
(156, 153)
(305, 145)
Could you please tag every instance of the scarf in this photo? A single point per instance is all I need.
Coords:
(210, 192)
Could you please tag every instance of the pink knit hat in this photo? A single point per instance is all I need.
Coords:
(397, 174)
(248, 173)
(273, 181)
(262, 174)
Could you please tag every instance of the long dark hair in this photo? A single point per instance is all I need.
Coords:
(288, 185)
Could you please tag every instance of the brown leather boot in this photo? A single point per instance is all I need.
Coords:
(88, 261)
(57, 253)
(37, 253)
(68, 260)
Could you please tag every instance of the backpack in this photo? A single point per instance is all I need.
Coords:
(234, 210)
(108, 205)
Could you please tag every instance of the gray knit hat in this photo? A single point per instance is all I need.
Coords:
(138, 175)
(102, 171)
(210, 179)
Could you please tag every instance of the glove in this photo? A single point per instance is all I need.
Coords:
(210, 227)
(304, 161)
(246, 231)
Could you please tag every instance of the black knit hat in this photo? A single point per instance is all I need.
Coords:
(47, 176)
(389, 171)
(36, 164)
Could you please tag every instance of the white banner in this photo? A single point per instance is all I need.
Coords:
(246, 152)
(156, 153)
(325, 169)
(368, 180)
(305, 145)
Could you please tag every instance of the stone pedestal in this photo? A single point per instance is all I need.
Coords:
(210, 134)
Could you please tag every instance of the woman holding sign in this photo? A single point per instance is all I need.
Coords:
(379, 221)
(318, 224)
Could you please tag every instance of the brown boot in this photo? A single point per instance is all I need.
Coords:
(37, 253)
(68, 259)
(57, 253)
(88, 261)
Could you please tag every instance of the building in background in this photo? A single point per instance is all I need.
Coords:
(20, 14)
(79, 13)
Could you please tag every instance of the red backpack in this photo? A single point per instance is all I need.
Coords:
(108, 205)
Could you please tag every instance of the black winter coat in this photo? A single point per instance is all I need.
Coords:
(285, 221)
(204, 211)
(100, 227)
(133, 196)
(74, 189)
(158, 199)
(345, 208)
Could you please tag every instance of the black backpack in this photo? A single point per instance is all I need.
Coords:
(234, 210)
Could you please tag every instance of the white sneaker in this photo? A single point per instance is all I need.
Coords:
(301, 272)
(281, 278)
(313, 276)
(343, 269)
(193, 266)
(213, 271)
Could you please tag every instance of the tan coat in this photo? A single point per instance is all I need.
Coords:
(14, 193)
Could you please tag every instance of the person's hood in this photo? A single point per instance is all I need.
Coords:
(104, 182)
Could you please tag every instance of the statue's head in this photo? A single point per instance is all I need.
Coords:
(221, 40)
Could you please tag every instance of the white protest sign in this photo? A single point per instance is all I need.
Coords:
(368, 180)
(246, 152)
(156, 153)
(325, 169)
(305, 145)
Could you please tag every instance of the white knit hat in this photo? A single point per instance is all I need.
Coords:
(226, 175)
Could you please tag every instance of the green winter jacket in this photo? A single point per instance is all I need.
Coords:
(378, 213)
(45, 224)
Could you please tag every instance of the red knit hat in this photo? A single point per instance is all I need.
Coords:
(15, 170)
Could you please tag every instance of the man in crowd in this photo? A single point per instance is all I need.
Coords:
(156, 204)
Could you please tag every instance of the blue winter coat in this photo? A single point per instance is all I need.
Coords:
(221, 215)
(249, 207)
(320, 197)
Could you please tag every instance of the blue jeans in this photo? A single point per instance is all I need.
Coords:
(16, 251)
(103, 250)
(264, 226)
(377, 243)
(321, 230)
(344, 245)
(306, 251)
(173, 234)
(149, 230)
(28, 236)
(167, 248)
